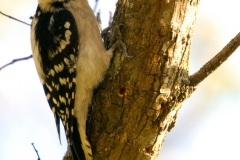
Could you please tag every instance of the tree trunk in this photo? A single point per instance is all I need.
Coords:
(139, 100)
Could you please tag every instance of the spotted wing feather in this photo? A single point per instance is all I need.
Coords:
(58, 48)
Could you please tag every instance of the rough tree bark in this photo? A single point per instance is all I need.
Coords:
(138, 102)
(140, 97)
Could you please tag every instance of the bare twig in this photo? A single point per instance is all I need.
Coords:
(110, 18)
(216, 61)
(20, 59)
(99, 20)
(36, 151)
(14, 18)
(95, 7)
(16, 60)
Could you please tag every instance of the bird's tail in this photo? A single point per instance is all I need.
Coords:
(76, 143)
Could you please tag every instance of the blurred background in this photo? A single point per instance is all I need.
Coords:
(208, 123)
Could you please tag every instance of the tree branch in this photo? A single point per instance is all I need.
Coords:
(14, 18)
(95, 7)
(16, 60)
(36, 151)
(216, 61)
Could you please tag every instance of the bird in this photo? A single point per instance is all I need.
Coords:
(71, 60)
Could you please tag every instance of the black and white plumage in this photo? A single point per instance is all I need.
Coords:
(71, 61)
